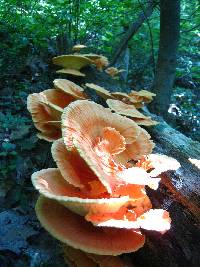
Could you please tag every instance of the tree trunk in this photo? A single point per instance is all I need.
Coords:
(134, 27)
(166, 64)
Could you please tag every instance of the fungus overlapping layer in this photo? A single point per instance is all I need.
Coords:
(130, 111)
(71, 72)
(142, 95)
(95, 200)
(46, 107)
(112, 71)
(75, 62)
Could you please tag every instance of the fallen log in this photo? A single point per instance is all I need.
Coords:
(179, 193)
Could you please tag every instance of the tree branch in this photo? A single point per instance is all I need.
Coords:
(134, 27)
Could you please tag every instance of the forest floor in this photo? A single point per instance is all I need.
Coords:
(23, 243)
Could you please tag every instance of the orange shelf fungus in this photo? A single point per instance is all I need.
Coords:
(142, 95)
(100, 62)
(75, 62)
(127, 99)
(99, 90)
(113, 71)
(70, 88)
(130, 111)
(71, 72)
(75, 231)
(46, 109)
(95, 201)
(78, 47)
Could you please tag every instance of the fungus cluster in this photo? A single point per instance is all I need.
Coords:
(95, 201)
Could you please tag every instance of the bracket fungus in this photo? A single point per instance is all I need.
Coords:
(71, 72)
(130, 111)
(127, 99)
(78, 47)
(112, 71)
(99, 61)
(95, 201)
(46, 107)
(142, 95)
(70, 88)
(99, 90)
(75, 62)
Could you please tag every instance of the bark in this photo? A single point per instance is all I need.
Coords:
(166, 64)
(134, 27)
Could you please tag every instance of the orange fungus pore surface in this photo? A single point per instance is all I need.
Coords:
(95, 200)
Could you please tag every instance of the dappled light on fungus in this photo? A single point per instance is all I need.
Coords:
(94, 191)
(77, 122)
(95, 200)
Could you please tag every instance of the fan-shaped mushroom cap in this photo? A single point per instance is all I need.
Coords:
(112, 71)
(78, 47)
(73, 230)
(146, 121)
(46, 109)
(142, 95)
(71, 165)
(99, 90)
(130, 111)
(70, 88)
(124, 109)
(51, 184)
(92, 56)
(94, 130)
(153, 219)
(158, 163)
(127, 99)
(75, 62)
(100, 62)
(71, 72)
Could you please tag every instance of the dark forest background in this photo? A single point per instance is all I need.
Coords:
(156, 42)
